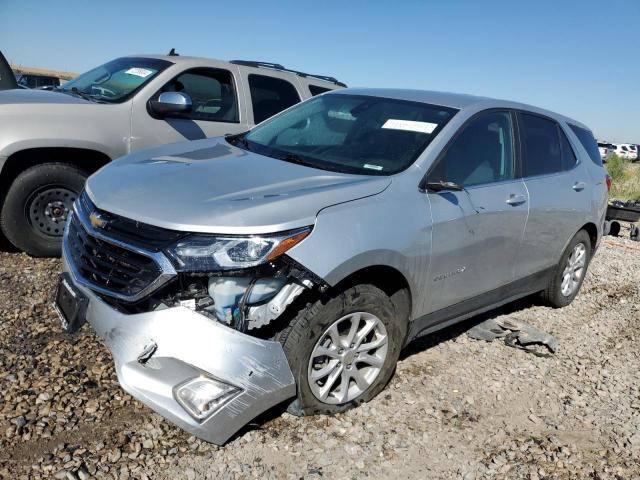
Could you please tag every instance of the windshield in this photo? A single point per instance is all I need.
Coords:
(349, 133)
(115, 81)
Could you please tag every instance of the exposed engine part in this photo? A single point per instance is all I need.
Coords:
(244, 299)
(229, 293)
(261, 315)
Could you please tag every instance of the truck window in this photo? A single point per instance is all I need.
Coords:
(270, 95)
(211, 91)
(316, 90)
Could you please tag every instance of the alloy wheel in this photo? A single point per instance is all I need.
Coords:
(574, 270)
(347, 358)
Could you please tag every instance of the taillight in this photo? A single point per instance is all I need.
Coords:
(609, 182)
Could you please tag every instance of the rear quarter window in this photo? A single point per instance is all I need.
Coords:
(316, 90)
(588, 142)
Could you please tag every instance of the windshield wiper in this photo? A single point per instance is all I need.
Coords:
(76, 92)
(293, 158)
(80, 93)
(238, 138)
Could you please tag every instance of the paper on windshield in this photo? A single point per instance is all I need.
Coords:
(139, 72)
(372, 167)
(410, 125)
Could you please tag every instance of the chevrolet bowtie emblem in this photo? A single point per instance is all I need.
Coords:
(97, 220)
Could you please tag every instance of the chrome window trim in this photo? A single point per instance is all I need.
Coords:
(166, 268)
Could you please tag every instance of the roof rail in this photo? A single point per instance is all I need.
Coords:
(277, 66)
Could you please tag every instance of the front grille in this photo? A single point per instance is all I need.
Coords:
(106, 267)
(132, 232)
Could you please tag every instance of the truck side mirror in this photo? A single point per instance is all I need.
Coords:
(171, 103)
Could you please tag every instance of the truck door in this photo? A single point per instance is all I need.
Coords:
(216, 109)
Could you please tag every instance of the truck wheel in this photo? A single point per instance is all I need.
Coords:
(570, 272)
(343, 350)
(37, 205)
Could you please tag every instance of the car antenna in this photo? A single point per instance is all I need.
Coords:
(172, 53)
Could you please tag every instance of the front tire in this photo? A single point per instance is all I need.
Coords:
(36, 207)
(570, 272)
(343, 349)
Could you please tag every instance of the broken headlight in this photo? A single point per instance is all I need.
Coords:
(205, 253)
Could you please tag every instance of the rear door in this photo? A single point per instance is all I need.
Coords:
(7, 78)
(559, 192)
(476, 232)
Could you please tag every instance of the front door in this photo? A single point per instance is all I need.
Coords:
(215, 112)
(477, 231)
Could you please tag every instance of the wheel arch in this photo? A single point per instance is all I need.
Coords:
(86, 159)
(592, 230)
(388, 279)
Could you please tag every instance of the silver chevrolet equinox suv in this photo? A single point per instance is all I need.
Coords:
(51, 141)
(293, 262)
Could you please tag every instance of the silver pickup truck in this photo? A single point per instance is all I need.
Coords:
(50, 142)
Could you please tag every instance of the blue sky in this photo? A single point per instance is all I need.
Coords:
(577, 57)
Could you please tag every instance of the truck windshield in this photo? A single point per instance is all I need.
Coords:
(115, 81)
(349, 133)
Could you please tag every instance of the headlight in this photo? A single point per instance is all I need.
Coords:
(205, 253)
(202, 396)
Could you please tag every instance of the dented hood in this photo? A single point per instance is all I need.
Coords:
(211, 186)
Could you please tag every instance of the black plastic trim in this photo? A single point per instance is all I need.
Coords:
(444, 317)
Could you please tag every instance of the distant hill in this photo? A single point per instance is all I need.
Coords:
(43, 71)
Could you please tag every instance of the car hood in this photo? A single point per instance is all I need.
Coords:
(211, 186)
(24, 96)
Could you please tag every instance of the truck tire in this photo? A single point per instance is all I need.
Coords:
(36, 207)
(570, 272)
(342, 349)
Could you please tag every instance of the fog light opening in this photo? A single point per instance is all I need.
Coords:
(202, 396)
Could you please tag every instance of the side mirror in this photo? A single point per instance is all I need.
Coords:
(171, 103)
(427, 186)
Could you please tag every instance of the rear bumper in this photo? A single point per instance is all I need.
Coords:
(188, 345)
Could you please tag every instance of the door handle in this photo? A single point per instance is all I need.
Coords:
(516, 199)
(579, 186)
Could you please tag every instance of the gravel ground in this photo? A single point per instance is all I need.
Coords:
(456, 408)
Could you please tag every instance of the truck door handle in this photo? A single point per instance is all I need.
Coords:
(516, 199)
(579, 186)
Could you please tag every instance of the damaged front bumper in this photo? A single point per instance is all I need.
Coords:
(155, 353)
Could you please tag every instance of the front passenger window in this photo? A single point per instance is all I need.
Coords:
(211, 91)
(482, 153)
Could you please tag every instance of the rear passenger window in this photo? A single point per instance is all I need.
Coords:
(568, 155)
(316, 90)
(541, 152)
(588, 142)
(482, 153)
(270, 95)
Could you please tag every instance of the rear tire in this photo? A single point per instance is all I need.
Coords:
(36, 207)
(314, 330)
(570, 272)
